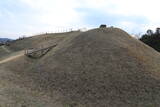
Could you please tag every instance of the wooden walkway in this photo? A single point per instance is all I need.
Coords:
(38, 52)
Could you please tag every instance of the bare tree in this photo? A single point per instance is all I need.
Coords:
(149, 32)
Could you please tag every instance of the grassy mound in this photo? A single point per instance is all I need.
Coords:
(98, 68)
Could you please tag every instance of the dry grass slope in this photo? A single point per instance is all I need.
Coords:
(39, 40)
(99, 68)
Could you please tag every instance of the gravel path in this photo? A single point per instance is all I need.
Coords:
(12, 57)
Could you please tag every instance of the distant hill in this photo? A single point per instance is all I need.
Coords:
(3, 40)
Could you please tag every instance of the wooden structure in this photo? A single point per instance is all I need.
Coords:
(103, 26)
(39, 52)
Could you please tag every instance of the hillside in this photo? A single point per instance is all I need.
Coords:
(97, 68)
(39, 40)
(36, 41)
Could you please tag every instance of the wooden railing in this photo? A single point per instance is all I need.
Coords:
(38, 52)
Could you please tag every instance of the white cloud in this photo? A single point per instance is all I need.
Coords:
(149, 9)
(47, 15)
(55, 12)
(40, 16)
(146, 8)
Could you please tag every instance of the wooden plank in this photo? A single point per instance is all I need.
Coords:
(32, 51)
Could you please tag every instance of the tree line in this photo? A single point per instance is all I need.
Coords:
(152, 38)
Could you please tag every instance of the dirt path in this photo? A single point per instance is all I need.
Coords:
(7, 50)
(12, 57)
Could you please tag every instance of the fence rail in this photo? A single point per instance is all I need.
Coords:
(38, 52)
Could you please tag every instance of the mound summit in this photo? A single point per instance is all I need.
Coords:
(103, 67)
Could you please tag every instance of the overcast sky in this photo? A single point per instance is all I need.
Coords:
(29, 17)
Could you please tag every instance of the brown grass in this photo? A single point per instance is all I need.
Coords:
(98, 68)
